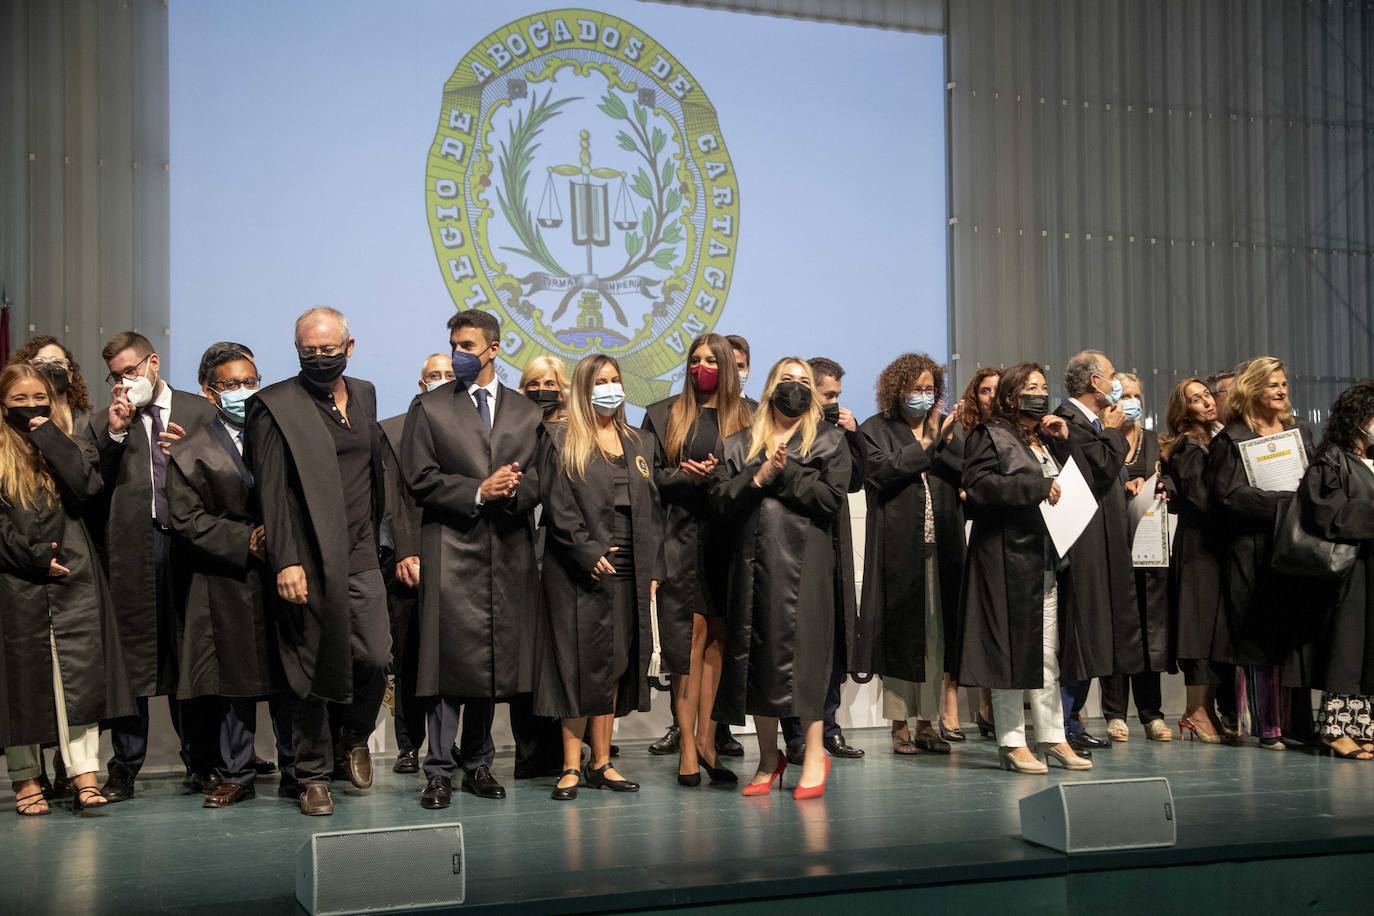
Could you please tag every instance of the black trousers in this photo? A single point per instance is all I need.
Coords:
(1117, 690)
(370, 636)
(238, 733)
(411, 711)
(538, 739)
(448, 748)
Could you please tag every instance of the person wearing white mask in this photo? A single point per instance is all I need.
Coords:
(603, 560)
(144, 418)
(1151, 589)
(468, 455)
(402, 574)
(226, 643)
(1101, 581)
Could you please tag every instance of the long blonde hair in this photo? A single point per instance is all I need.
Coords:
(541, 364)
(732, 413)
(1248, 389)
(581, 418)
(762, 431)
(24, 478)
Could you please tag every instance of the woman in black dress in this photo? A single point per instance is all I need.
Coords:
(1151, 589)
(779, 486)
(603, 560)
(1197, 619)
(1337, 501)
(1259, 602)
(688, 431)
(60, 663)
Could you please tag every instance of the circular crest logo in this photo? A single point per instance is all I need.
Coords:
(579, 188)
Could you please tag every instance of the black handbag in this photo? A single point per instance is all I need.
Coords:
(1299, 553)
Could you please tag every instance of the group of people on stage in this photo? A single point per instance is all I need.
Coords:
(528, 547)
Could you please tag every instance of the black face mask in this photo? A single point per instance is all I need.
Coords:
(57, 377)
(792, 399)
(547, 399)
(19, 417)
(323, 370)
(1034, 406)
(832, 413)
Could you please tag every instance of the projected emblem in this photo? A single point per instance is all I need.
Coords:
(579, 187)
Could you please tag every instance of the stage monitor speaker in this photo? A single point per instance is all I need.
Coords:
(1101, 815)
(389, 869)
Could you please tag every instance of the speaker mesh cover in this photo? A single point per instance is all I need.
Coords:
(399, 868)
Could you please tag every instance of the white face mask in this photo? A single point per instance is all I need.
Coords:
(139, 391)
(438, 382)
(744, 376)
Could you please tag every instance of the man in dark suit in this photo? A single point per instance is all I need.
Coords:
(469, 457)
(227, 646)
(1100, 573)
(316, 455)
(145, 417)
(828, 376)
(402, 574)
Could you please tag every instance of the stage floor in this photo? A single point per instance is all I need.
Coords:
(1257, 831)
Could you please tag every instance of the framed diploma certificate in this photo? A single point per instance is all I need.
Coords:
(1275, 462)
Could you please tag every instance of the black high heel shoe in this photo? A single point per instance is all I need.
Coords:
(567, 793)
(690, 780)
(81, 801)
(985, 729)
(720, 774)
(596, 778)
(951, 734)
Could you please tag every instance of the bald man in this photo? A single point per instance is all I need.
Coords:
(402, 574)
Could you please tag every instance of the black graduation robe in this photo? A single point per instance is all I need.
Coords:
(226, 649)
(1198, 623)
(894, 591)
(1257, 599)
(573, 641)
(780, 613)
(76, 607)
(696, 556)
(400, 539)
(846, 601)
(1151, 585)
(479, 583)
(1102, 579)
(291, 453)
(1337, 501)
(150, 651)
(946, 480)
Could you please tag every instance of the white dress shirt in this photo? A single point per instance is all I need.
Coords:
(490, 388)
(235, 433)
(1093, 419)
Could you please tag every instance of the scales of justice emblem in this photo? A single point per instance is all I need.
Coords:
(579, 188)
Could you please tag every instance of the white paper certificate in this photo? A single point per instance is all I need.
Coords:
(1150, 548)
(1066, 519)
(1275, 462)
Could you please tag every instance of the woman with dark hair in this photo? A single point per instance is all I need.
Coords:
(1012, 638)
(60, 663)
(688, 432)
(603, 561)
(51, 357)
(1337, 501)
(1258, 600)
(779, 485)
(904, 619)
(1196, 617)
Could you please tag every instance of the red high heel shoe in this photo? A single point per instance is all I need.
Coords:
(815, 791)
(763, 788)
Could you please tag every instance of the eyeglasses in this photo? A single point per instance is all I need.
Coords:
(234, 384)
(39, 362)
(327, 350)
(927, 391)
(127, 373)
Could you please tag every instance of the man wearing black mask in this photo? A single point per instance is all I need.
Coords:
(469, 457)
(401, 570)
(829, 385)
(145, 417)
(316, 454)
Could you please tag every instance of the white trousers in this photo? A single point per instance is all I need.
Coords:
(1046, 704)
(904, 700)
(80, 744)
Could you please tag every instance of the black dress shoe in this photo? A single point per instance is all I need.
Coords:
(726, 745)
(263, 767)
(202, 783)
(836, 746)
(481, 783)
(1086, 742)
(597, 779)
(796, 753)
(119, 787)
(228, 794)
(568, 793)
(668, 743)
(437, 794)
(407, 762)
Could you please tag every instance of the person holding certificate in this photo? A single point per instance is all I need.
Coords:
(1337, 502)
(1196, 617)
(1255, 464)
(1011, 637)
(1151, 586)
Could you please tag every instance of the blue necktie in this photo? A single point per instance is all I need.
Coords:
(1097, 424)
(481, 394)
(160, 511)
